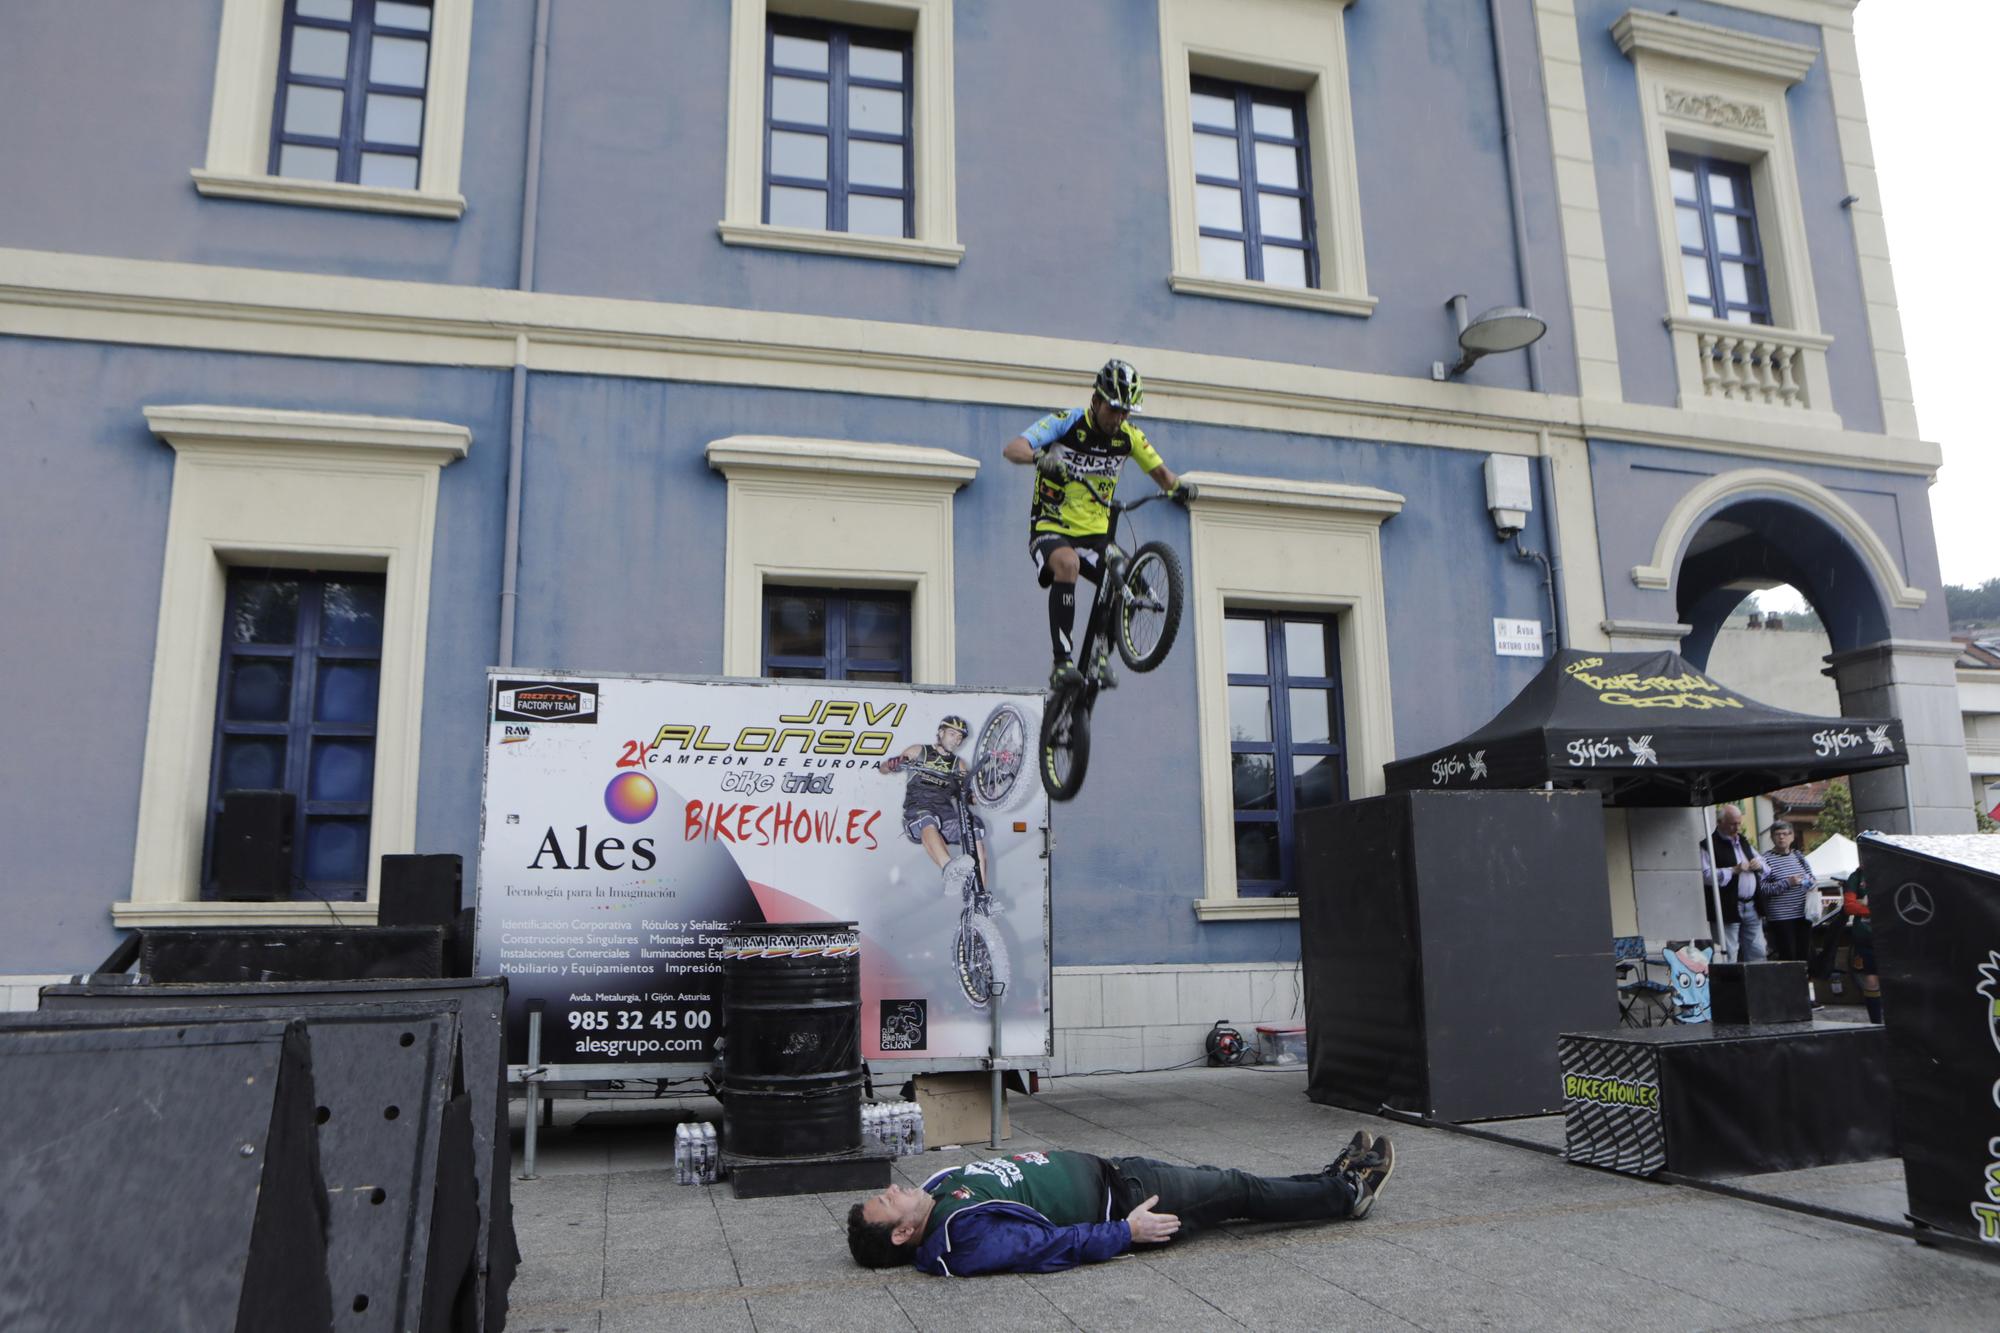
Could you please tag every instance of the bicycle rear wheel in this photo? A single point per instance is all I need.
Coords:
(1150, 616)
(981, 956)
(1065, 745)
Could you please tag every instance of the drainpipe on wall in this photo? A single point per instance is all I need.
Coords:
(1558, 599)
(1517, 209)
(510, 554)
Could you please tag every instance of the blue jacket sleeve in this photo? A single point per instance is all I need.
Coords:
(1051, 428)
(1018, 1240)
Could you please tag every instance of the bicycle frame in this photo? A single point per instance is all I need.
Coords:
(1105, 607)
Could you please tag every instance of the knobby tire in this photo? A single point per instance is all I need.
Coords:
(1152, 586)
(1072, 756)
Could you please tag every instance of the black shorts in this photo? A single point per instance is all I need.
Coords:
(916, 821)
(1089, 553)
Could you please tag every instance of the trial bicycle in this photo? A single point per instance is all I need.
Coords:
(1137, 608)
(978, 952)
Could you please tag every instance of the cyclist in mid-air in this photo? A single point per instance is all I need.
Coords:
(930, 805)
(1077, 456)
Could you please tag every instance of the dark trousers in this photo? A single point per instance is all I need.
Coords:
(1788, 940)
(1204, 1196)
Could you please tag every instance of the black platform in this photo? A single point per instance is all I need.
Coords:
(1936, 909)
(1711, 1101)
(1447, 938)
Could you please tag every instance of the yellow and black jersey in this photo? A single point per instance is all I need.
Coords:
(1079, 504)
(931, 779)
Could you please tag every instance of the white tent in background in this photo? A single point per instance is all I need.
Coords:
(1836, 858)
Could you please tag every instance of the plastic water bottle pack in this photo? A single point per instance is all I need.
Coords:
(697, 1153)
(893, 1127)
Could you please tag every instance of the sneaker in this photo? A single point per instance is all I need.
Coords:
(1368, 1174)
(1065, 676)
(1356, 1149)
(957, 874)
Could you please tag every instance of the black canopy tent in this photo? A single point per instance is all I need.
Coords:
(1647, 729)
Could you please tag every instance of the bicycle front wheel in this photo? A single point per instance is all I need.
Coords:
(1065, 745)
(997, 758)
(1151, 612)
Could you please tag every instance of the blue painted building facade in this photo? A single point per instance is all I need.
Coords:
(207, 366)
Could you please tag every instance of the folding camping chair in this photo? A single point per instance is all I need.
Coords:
(1642, 1001)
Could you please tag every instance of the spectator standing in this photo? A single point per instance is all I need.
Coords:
(1731, 865)
(1781, 896)
(1862, 937)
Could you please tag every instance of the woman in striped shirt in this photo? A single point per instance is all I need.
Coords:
(1781, 897)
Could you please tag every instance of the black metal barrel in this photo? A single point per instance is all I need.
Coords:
(791, 1020)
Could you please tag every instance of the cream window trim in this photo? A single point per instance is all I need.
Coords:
(327, 194)
(1695, 507)
(129, 916)
(933, 149)
(1301, 298)
(246, 86)
(1269, 544)
(311, 489)
(845, 515)
(1299, 46)
(839, 243)
(1718, 92)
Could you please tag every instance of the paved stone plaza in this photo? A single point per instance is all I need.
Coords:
(1469, 1234)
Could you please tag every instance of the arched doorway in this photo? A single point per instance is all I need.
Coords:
(1761, 528)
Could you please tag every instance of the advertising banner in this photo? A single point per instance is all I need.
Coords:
(629, 822)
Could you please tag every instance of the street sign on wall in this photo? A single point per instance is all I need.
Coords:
(1517, 638)
(630, 822)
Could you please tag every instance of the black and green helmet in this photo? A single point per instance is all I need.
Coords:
(1119, 385)
(956, 723)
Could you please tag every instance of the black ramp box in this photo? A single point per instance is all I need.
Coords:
(209, 954)
(161, 1178)
(1758, 993)
(403, 1215)
(481, 1006)
(1935, 906)
(1709, 1100)
(1447, 939)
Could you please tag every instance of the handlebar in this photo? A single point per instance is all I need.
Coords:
(1119, 507)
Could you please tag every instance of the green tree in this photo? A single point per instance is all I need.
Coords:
(1984, 821)
(1837, 815)
(1973, 606)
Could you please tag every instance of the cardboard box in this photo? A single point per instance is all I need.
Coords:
(958, 1108)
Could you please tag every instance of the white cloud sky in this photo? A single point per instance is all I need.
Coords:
(1925, 66)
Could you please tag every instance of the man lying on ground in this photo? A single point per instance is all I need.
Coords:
(1041, 1212)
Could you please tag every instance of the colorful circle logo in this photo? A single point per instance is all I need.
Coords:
(631, 797)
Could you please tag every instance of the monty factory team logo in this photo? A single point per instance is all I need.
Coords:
(544, 701)
(1620, 1092)
(1987, 1212)
(1629, 689)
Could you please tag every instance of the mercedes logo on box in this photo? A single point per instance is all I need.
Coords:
(1914, 905)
